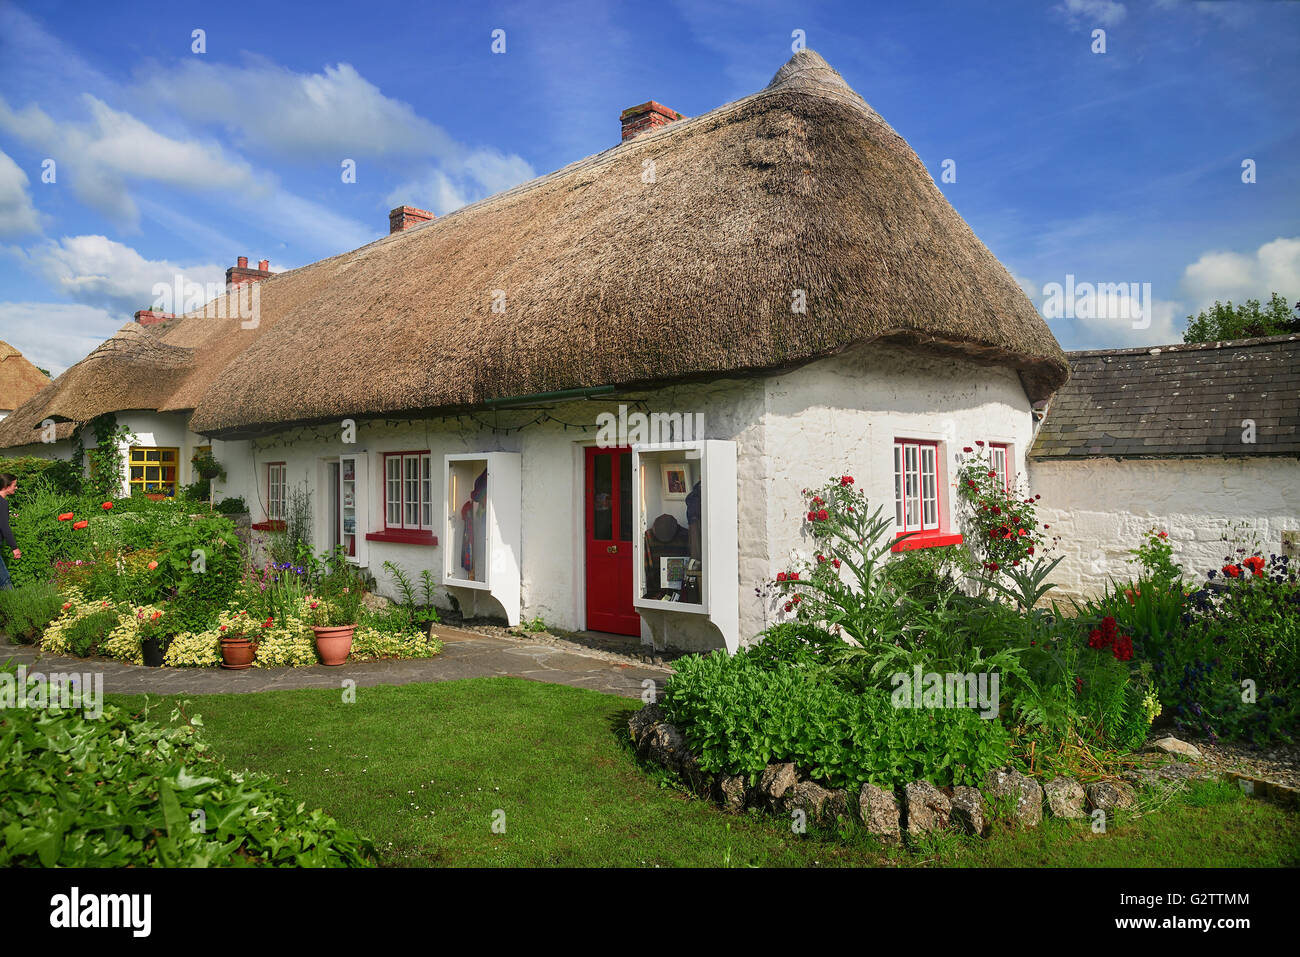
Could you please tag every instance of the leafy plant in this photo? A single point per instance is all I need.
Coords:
(126, 791)
(24, 612)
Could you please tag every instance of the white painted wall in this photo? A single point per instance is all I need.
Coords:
(1102, 508)
(162, 430)
(841, 416)
(837, 416)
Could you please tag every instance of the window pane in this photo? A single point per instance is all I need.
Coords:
(426, 491)
(151, 455)
(602, 528)
(912, 518)
(411, 495)
(393, 491)
(929, 502)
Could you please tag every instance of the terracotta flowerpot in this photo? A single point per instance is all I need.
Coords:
(236, 653)
(334, 643)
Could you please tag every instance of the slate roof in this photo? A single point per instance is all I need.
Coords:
(1177, 401)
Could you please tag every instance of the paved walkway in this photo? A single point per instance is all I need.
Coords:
(464, 655)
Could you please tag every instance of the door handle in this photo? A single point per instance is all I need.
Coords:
(612, 549)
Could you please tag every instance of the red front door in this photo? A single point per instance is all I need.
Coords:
(609, 542)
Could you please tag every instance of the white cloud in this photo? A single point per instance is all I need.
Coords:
(98, 272)
(1030, 288)
(17, 214)
(1106, 13)
(484, 172)
(55, 335)
(334, 114)
(100, 155)
(1115, 328)
(1226, 275)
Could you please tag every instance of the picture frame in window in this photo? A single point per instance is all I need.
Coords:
(672, 569)
(676, 481)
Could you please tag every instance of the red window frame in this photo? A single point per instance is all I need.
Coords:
(425, 500)
(923, 532)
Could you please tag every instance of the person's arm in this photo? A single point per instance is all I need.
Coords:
(6, 532)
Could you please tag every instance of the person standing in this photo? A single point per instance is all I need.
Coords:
(8, 485)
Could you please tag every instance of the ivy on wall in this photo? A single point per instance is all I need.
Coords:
(105, 458)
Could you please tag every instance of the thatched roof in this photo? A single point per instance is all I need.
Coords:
(611, 280)
(1179, 401)
(19, 379)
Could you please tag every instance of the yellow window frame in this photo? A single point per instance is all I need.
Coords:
(153, 469)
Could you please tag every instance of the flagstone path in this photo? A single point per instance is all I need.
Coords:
(465, 655)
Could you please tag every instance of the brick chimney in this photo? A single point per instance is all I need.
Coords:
(147, 317)
(648, 116)
(404, 217)
(239, 273)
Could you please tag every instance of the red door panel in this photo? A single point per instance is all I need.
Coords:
(609, 542)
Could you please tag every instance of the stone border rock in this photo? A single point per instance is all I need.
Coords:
(914, 810)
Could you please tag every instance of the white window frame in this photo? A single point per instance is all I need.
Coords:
(410, 476)
(1001, 451)
(277, 491)
(916, 485)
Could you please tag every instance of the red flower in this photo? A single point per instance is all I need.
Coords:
(1232, 571)
(1163, 535)
(971, 484)
(993, 475)
(152, 566)
(107, 506)
(812, 516)
(820, 559)
(997, 510)
(1030, 549)
(993, 566)
(65, 517)
(980, 444)
(789, 606)
(1256, 564)
(968, 449)
(835, 562)
(780, 576)
(797, 598)
(823, 515)
(222, 628)
(846, 480)
(81, 524)
(794, 576)
(1123, 648)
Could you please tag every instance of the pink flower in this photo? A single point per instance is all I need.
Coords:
(152, 566)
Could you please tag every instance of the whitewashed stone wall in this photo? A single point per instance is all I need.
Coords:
(1102, 508)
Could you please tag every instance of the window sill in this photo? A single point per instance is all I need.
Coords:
(403, 536)
(272, 525)
(926, 540)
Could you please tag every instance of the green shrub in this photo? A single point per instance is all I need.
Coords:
(739, 716)
(24, 612)
(232, 506)
(123, 791)
(86, 634)
(794, 643)
(63, 475)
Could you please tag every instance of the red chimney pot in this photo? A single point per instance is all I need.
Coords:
(242, 262)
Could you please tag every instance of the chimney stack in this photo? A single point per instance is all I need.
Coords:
(239, 273)
(147, 317)
(404, 217)
(648, 116)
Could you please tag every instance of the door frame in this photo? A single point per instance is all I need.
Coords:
(578, 509)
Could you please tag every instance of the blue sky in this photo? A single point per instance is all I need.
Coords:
(1122, 166)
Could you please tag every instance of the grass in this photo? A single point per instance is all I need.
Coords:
(424, 769)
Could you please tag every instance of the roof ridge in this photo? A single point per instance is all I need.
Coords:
(1188, 346)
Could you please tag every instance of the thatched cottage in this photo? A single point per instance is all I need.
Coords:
(1200, 440)
(761, 296)
(19, 379)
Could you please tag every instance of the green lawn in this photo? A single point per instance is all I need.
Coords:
(422, 769)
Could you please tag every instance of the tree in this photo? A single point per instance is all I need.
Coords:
(1247, 321)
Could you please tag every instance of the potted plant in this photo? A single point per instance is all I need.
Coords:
(334, 621)
(237, 650)
(153, 641)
